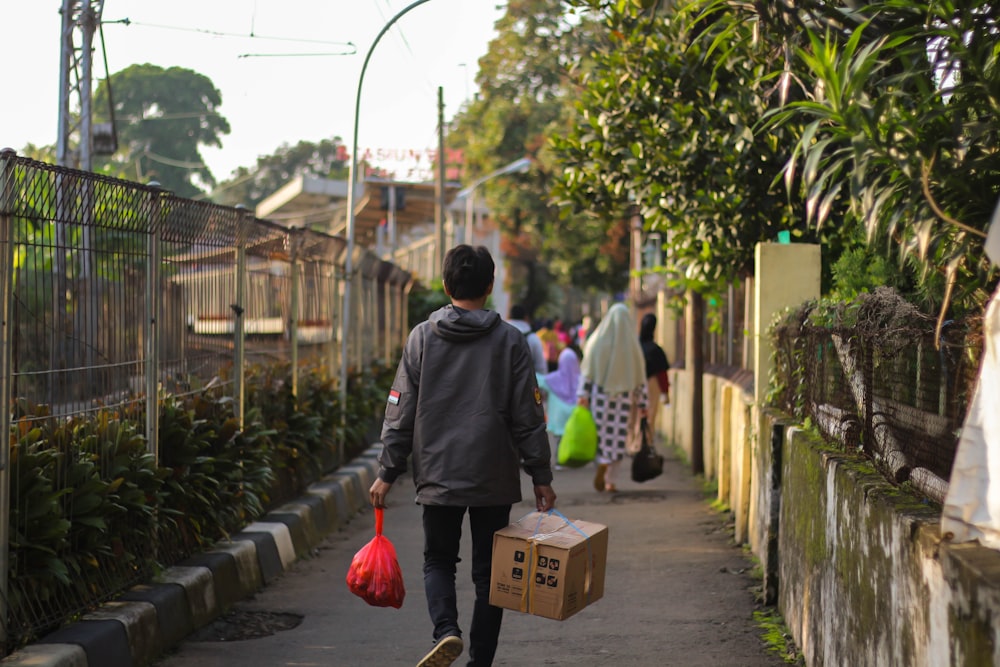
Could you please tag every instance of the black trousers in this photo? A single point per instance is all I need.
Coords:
(442, 536)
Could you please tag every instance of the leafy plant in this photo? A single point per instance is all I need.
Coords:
(39, 529)
(777, 637)
(220, 474)
(898, 102)
(91, 512)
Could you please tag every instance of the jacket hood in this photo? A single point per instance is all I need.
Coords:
(459, 325)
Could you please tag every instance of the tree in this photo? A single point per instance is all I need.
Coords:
(667, 118)
(163, 117)
(250, 185)
(526, 84)
(899, 114)
(40, 153)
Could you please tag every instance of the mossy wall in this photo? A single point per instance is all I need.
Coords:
(710, 399)
(854, 564)
(674, 420)
(727, 448)
(863, 578)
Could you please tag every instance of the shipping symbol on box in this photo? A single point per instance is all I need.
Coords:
(547, 565)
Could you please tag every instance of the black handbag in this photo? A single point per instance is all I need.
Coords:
(647, 464)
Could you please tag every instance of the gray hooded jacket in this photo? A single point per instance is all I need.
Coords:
(465, 405)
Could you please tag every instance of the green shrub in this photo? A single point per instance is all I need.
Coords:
(92, 511)
(219, 474)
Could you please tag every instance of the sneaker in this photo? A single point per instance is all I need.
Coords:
(444, 652)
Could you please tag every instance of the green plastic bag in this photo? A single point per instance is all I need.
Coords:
(578, 445)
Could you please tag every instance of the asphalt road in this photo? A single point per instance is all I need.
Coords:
(677, 592)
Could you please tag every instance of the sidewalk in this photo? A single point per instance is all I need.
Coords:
(676, 591)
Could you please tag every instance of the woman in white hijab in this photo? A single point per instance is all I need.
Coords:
(612, 376)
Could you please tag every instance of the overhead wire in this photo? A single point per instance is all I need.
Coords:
(218, 33)
(162, 159)
(431, 89)
(398, 31)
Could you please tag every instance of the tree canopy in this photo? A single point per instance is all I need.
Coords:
(162, 117)
(898, 103)
(250, 185)
(728, 121)
(526, 81)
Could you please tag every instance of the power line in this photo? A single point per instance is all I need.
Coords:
(217, 33)
(292, 55)
(398, 31)
(174, 163)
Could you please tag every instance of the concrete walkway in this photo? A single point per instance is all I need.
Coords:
(677, 591)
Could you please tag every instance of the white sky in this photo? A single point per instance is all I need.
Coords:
(267, 100)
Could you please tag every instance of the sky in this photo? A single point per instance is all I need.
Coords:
(271, 93)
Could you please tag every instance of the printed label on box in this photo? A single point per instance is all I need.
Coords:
(547, 565)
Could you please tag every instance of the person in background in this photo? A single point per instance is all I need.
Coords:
(465, 405)
(550, 344)
(582, 331)
(612, 376)
(519, 318)
(657, 365)
(560, 388)
(562, 334)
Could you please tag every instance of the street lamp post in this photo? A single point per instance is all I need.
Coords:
(345, 318)
(469, 193)
(636, 220)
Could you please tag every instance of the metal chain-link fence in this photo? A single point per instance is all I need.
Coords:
(873, 377)
(116, 295)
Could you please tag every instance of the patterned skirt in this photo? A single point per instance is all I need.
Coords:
(611, 416)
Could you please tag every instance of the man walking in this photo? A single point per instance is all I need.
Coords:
(465, 406)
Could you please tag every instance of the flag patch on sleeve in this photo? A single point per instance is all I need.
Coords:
(394, 397)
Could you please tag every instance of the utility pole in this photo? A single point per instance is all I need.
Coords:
(346, 318)
(80, 20)
(439, 203)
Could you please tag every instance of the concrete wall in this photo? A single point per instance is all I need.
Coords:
(855, 565)
(674, 419)
(863, 576)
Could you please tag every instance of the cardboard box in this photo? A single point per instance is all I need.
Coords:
(547, 565)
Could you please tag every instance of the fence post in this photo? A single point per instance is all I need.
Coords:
(334, 349)
(152, 332)
(6, 375)
(239, 312)
(293, 326)
(388, 303)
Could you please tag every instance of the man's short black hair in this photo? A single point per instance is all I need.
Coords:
(468, 272)
(518, 312)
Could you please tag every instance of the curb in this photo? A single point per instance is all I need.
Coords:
(148, 619)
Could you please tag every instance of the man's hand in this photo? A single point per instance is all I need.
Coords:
(378, 492)
(545, 497)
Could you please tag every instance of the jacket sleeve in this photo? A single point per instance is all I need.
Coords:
(400, 412)
(528, 419)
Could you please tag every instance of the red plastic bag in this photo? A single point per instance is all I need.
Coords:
(374, 575)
